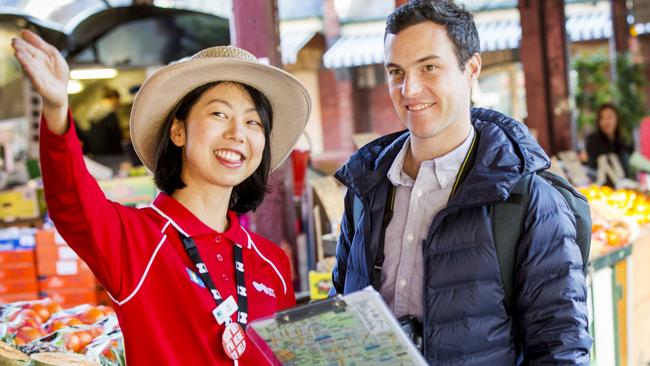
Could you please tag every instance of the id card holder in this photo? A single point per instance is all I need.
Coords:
(225, 310)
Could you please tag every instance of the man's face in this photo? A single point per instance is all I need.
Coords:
(429, 90)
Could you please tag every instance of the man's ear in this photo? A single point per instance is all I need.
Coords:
(473, 66)
(177, 132)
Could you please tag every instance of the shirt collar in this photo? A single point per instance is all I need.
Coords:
(445, 167)
(188, 224)
(396, 173)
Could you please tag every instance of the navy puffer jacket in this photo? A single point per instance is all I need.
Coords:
(465, 321)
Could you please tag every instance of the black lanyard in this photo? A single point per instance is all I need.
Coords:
(242, 299)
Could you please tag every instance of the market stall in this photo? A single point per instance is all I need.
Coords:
(619, 301)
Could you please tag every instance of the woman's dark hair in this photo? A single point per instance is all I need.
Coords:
(618, 136)
(247, 195)
(458, 21)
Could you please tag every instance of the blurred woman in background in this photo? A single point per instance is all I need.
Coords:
(608, 139)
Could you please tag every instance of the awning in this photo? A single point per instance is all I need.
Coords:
(291, 43)
(589, 26)
(365, 46)
(499, 35)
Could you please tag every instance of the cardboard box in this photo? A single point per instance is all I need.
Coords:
(55, 258)
(17, 271)
(19, 203)
(67, 267)
(15, 238)
(52, 253)
(48, 237)
(72, 297)
(23, 296)
(18, 286)
(82, 280)
(16, 256)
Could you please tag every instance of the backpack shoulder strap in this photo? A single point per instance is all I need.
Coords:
(380, 256)
(357, 208)
(507, 224)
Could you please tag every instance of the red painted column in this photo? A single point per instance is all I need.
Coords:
(544, 55)
(254, 27)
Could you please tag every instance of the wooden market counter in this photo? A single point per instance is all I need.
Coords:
(619, 305)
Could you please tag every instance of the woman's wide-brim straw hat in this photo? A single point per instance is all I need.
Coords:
(165, 88)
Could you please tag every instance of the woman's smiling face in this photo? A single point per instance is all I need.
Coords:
(222, 137)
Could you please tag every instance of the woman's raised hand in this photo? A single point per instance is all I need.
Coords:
(48, 72)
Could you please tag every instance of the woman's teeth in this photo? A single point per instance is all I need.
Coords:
(229, 155)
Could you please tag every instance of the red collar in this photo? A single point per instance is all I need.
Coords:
(186, 223)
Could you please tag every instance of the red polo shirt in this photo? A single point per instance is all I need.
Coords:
(164, 311)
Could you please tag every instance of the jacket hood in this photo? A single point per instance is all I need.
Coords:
(505, 151)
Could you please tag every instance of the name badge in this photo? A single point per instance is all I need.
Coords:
(225, 310)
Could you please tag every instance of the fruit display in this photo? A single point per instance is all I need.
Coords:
(50, 335)
(617, 216)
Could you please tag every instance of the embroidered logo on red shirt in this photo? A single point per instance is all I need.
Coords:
(263, 288)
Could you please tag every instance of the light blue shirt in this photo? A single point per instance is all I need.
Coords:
(417, 201)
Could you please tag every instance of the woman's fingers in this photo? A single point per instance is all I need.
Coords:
(31, 50)
(25, 58)
(42, 52)
(30, 55)
(45, 67)
(38, 42)
(31, 59)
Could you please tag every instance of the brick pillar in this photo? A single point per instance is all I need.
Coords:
(544, 55)
(337, 111)
(621, 31)
(382, 113)
(331, 23)
(361, 103)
